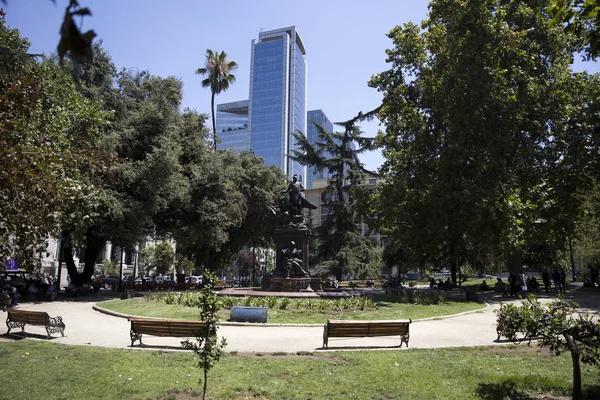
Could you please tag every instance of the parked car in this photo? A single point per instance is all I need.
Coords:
(107, 281)
(196, 280)
(162, 279)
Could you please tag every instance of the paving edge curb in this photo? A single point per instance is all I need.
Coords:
(266, 325)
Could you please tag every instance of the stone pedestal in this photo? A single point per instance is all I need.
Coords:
(316, 284)
(295, 284)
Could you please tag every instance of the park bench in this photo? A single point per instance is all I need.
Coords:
(367, 329)
(164, 327)
(20, 318)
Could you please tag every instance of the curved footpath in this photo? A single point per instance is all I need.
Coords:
(86, 326)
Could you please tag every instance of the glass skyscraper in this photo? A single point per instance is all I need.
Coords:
(276, 107)
(232, 126)
(277, 97)
(312, 134)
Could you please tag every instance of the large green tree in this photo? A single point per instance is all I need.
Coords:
(581, 17)
(478, 105)
(48, 139)
(226, 207)
(342, 249)
(144, 176)
(218, 71)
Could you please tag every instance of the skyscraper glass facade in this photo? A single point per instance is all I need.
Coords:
(232, 126)
(312, 134)
(277, 104)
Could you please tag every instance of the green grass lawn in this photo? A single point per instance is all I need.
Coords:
(44, 370)
(388, 308)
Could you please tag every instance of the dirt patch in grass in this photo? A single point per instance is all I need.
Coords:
(547, 396)
(520, 349)
(291, 356)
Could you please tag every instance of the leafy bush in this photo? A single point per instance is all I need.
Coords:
(559, 327)
(508, 321)
(227, 302)
(272, 302)
(284, 303)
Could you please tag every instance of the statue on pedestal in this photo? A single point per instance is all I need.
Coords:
(289, 214)
(291, 264)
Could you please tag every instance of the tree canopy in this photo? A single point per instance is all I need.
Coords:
(341, 247)
(219, 75)
(48, 137)
(488, 133)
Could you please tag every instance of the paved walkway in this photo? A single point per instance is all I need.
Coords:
(86, 326)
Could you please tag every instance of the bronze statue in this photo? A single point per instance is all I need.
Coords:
(290, 213)
(292, 264)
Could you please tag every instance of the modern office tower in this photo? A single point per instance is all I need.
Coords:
(232, 126)
(277, 104)
(319, 117)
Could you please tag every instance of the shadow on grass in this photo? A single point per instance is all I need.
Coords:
(359, 347)
(592, 392)
(501, 391)
(509, 390)
(144, 346)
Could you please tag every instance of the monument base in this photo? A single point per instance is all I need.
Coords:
(295, 284)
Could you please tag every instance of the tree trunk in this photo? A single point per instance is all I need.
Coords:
(68, 255)
(576, 393)
(572, 259)
(453, 263)
(205, 384)
(93, 247)
(214, 124)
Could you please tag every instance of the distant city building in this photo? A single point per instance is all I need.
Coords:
(276, 105)
(232, 126)
(319, 195)
(312, 134)
(277, 97)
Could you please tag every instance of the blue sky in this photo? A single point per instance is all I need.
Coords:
(345, 42)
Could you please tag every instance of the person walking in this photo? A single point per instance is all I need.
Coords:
(546, 279)
(512, 284)
(556, 278)
(523, 284)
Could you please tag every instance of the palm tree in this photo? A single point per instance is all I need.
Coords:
(218, 77)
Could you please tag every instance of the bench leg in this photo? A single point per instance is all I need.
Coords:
(135, 336)
(325, 337)
(50, 329)
(13, 324)
(404, 339)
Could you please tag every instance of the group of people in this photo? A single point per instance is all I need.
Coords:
(38, 289)
(521, 284)
(442, 285)
(9, 294)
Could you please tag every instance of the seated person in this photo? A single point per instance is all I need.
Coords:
(51, 293)
(5, 299)
(33, 292)
(448, 284)
(484, 285)
(533, 284)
